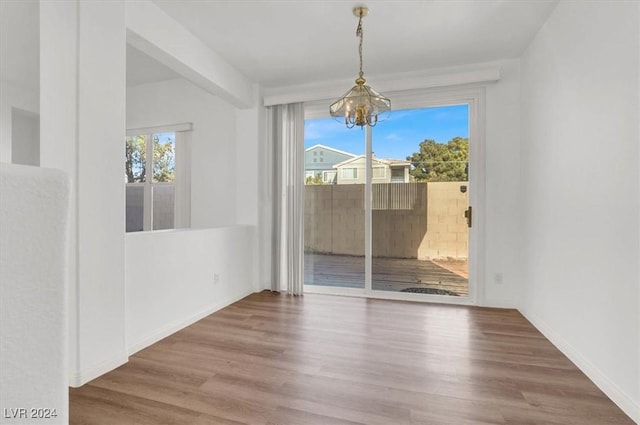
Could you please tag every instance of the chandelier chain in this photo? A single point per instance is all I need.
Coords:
(362, 105)
(359, 34)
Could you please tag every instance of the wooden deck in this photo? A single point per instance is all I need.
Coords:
(389, 274)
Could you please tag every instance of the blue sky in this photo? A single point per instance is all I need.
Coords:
(166, 137)
(396, 137)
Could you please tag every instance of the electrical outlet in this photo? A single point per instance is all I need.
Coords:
(216, 278)
(497, 278)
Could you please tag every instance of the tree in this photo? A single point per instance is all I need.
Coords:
(314, 180)
(441, 162)
(163, 161)
(135, 163)
(136, 160)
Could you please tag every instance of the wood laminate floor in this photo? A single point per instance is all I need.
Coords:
(270, 359)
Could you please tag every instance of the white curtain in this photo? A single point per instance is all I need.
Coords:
(182, 203)
(287, 140)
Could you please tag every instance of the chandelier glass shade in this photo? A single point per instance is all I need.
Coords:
(361, 105)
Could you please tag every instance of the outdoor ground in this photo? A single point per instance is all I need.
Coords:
(389, 274)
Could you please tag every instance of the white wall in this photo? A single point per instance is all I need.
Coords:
(13, 97)
(579, 195)
(249, 159)
(101, 124)
(82, 44)
(250, 132)
(502, 188)
(58, 123)
(19, 64)
(213, 143)
(170, 278)
(25, 137)
(164, 296)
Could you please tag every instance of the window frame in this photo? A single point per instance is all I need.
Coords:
(355, 173)
(379, 167)
(182, 176)
(326, 172)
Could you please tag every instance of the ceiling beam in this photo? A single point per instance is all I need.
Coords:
(152, 31)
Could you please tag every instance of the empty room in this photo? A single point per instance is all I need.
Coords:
(270, 212)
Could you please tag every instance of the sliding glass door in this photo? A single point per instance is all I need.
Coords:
(419, 199)
(334, 251)
(390, 219)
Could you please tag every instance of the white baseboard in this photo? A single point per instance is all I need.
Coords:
(497, 303)
(81, 377)
(613, 391)
(174, 327)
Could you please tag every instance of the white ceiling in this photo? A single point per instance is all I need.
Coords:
(280, 42)
(284, 42)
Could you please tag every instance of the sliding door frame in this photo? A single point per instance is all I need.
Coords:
(475, 98)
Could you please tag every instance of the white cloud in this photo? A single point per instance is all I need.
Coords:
(393, 136)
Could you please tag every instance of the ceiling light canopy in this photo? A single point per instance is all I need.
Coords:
(361, 105)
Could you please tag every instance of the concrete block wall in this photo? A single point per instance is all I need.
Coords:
(434, 226)
(447, 231)
(399, 233)
(346, 216)
(317, 218)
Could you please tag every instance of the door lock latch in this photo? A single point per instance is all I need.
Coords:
(468, 214)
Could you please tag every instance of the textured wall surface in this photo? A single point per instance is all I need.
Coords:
(447, 234)
(414, 220)
(33, 294)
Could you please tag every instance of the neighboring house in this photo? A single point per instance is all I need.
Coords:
(351, 171)
(320, 159)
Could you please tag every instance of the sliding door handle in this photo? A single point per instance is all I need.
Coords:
(468, 214)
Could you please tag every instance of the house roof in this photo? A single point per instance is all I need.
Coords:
(397, 162)
(389, 162)
(330, 149)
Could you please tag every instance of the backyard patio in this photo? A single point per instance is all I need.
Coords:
(446, 277)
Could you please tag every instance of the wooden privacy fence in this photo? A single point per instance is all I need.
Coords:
(394, 196)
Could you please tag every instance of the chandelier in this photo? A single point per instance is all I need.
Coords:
(361, 105)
